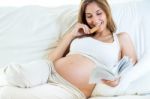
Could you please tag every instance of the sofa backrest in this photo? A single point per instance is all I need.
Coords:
(129, 18)
(28, 33)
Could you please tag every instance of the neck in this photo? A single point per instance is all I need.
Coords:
(105, 36)
(104, 33)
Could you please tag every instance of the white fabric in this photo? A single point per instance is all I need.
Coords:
(81, 46)
(133, 18)
(27, 75)
(46, 91)
(124, 97)
(27, 33)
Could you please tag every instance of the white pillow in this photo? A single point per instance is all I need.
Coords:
(28, 32)
(68, 18)
(27, 75)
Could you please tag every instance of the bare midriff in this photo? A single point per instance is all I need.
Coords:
(76, 69)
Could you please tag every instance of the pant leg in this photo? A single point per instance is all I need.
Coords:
(27, 75)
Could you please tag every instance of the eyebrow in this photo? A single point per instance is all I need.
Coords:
(96, 11)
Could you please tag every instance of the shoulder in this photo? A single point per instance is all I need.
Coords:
(123, 35)
(124, 38)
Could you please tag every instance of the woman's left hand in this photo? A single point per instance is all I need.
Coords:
(111, 83)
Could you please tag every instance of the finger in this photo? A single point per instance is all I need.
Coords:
(87, 29)
(80, 29)
(107, 80)
(84, 29)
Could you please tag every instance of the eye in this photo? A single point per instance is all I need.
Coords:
(88, 16)
(99, 13)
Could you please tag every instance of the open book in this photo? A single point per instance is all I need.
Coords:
(104, 72)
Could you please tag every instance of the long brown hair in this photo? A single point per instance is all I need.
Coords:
(103, 4)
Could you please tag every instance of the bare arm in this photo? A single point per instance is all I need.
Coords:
(61, 48)
(64, 44)
(127, 47)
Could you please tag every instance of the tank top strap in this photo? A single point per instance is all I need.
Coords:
(116, 39)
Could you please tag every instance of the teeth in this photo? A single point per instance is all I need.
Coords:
(101, 22)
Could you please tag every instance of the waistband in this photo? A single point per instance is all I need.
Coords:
(58, 80)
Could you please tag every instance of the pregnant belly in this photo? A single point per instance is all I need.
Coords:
(75, 68)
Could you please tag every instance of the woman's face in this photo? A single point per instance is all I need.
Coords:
(95, 16)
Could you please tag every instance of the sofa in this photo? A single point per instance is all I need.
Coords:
(29, 33)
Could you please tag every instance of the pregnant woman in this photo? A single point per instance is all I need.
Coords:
(80, 51)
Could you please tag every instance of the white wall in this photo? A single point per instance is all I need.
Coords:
(37, 2)
(50, 3)
(121, 1)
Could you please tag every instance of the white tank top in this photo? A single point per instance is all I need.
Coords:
(98, 51)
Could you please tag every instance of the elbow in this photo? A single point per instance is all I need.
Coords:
(52, 57)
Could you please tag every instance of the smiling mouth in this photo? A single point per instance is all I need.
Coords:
(96, 27)
(99, 24)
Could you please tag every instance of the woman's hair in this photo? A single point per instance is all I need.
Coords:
(103, 4)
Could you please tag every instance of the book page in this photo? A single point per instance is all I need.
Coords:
(124, 65)
(104, 72)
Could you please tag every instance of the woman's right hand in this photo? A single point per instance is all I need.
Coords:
(80, 30)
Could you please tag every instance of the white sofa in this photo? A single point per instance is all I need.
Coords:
(28, 33)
